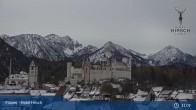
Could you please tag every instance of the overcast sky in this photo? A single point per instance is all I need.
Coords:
(140, 25)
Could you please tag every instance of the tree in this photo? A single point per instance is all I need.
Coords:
(128, 88)
(108, 89)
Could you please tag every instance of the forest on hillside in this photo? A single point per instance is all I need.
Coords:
(174, 76)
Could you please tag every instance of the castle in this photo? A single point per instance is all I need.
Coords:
(108, 68)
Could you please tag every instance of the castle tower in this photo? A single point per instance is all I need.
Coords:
(103, 61)
(33, 75)
(113, 62)
(129, 66)
(68, 77)
(130, 63)
(86, 69)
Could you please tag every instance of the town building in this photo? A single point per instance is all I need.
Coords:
(17, 79)
(24, 79)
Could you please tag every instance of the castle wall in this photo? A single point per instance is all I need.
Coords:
(108, 74)
(100, 74)
(122, 74)
(73, 74)
(76, 73)
(76, 70)
(69, 64)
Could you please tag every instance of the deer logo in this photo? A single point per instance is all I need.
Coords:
(180, 15)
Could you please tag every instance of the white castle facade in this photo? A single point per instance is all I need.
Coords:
(109, 68)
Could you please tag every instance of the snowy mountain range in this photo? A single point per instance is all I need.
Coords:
(54, 47)
(50, 47)
(170, 55)
(114, 50)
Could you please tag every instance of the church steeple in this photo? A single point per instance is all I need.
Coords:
(33, 75)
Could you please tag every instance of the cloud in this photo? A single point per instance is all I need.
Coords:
(141, 25)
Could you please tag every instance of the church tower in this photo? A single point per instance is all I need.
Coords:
(33, 75)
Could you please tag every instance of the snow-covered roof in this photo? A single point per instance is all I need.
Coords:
(48, 94)
(72, 88)
(37, 92)
(184, 96)
(13, 87)
(181, 91)
(13, 91)
(68, 95)
(139, 98)
(98, 91)
(192, 91)
(79, 99)
(173, 94)
(159, 99)
(49, 85)
(119, 96)
(93, 91)
(166, 92)
(79, 85)
(131, 95)
(121, 79)
(80, 91)
(103, 81)
(157, 90)
(54, 88)
(21, 91)
(140, 92)
(116, 86)
(22, 75)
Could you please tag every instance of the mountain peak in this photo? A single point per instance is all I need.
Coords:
(52, 35)
(109, 44)
(30, 35)
(4, 36)
(171, 50)
(26, 36)
(171, 54)
(90, 46)
(169, 47)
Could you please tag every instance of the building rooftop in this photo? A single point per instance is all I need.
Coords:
(22, 75)
(184, 96)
